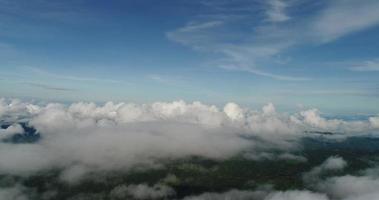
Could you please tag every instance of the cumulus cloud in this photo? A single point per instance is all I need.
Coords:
(374, 121)
(233, 111)
(119, 136)
(351, 187)
(14, 109)
(333, 163)
(312, 118)
(11, 130)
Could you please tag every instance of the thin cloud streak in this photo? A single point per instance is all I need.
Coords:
(48, 87)
(276, 11)
(367, 66)
(72, 78)
(223, 35)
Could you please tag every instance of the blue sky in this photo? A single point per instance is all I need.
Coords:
(294, 53)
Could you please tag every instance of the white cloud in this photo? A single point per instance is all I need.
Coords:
(239, 50)
(14, 110)
(333, 163)
(45, 73)
(343, 17)
(368, 66)
(233, 111)
(11, 130)
(264, 194)
(257, 44)
(312, 118)
(349, 187)
(143, 191)
(259, 156)
(73, 174)
(276, 11)
(296, 195)
(83, 137)
(374, 121)
(191, 27)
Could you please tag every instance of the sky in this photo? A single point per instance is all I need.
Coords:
(294, 53)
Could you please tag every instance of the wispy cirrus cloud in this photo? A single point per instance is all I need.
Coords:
(331, 92)
(49, 87)
(250, 40)
(213, 37)
(70, 77)
(366, 66)
(277, 11)
(344, 17)
(166, 79)
(224, 33)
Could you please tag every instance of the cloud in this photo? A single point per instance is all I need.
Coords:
(249, 42)
(69, 77)
(191, 27)
(296, 195)
(233, 111)
(264, 194)
(368, 66)
(288, 156)
(142, 191)
(84, 137)
(239, 50)
(48, 87)
(15, 110)
(331, 164)
(374, 121)
(259, 156)
(11, 130)
(312, 118)
(232, 194)
(340, 92)
(13, 193)
(344, 17)
(346, 187)
(352, 187)
(277, 76)
(276, 11)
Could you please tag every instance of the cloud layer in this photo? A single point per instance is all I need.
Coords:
(84, 136)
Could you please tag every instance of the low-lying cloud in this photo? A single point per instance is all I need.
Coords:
(84, 136)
